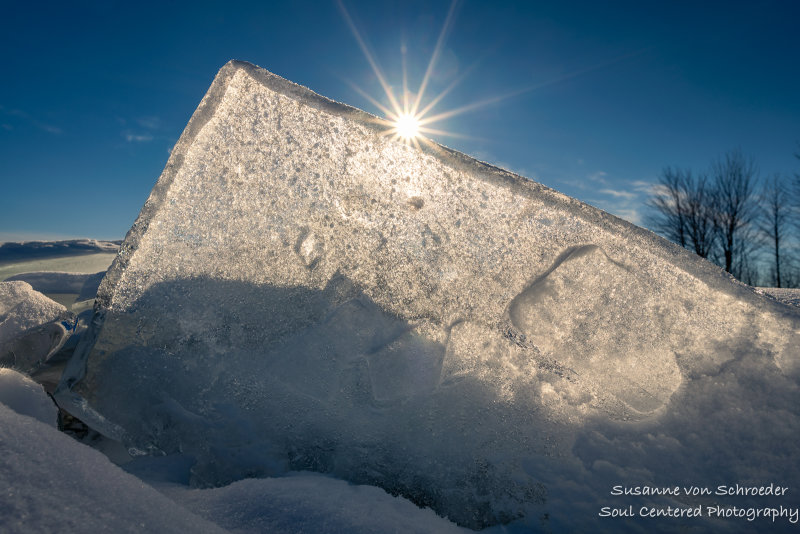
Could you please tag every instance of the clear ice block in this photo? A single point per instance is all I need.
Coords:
(301, 292)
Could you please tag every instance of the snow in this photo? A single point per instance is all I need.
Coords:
(85, 285)
(785, 295)
(22, 308)
(12, 252)
(301, 293)
(84, 263)
(306, 502)
(32, 327)
(26, 397)
(51, 483)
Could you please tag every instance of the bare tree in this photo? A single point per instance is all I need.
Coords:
(668, 217)
(736, 207)
(775, 205)
(700, 217)
(796, 211)
(684, 210)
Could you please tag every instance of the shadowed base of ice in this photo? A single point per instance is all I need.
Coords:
(331, 383)
(55, 484)
(478, 426)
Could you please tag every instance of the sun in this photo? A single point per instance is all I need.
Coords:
(405, 118)
(407, 126)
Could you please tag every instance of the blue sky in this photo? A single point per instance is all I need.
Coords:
(603, 94)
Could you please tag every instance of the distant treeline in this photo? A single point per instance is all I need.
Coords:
(730, 215)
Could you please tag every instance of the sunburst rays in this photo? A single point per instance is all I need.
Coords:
(406, 119)
(403, 118)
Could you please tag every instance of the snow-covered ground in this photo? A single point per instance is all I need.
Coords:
(52, 483)
(67, 272)
(785, 295)
(14, 252)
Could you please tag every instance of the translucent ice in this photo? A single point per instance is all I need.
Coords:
(301, 292)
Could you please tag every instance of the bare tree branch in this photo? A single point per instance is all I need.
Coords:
(774, 221)
(668, 203)
(684, 210)
(736, 205)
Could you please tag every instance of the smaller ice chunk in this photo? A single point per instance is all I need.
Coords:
(31, 326)
(22, 308)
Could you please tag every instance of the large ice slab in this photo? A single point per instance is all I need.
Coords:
(302, 292)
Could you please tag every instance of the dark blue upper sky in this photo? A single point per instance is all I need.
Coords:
(94, 94)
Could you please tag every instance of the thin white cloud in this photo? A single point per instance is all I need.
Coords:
(619, 194)
(659, 189)
(151, 123)
(48, 128)
(137, 138)
(631, 215)
(628, 201)
(147, 129)
(599, 177)
(622, 209)
(26, 117)
(643, 186)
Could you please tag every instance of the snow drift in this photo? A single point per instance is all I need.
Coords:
(51, 483)
(301, 292)
(32, 327)
(26, 397)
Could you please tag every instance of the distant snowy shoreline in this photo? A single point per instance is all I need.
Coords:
(32, 250)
